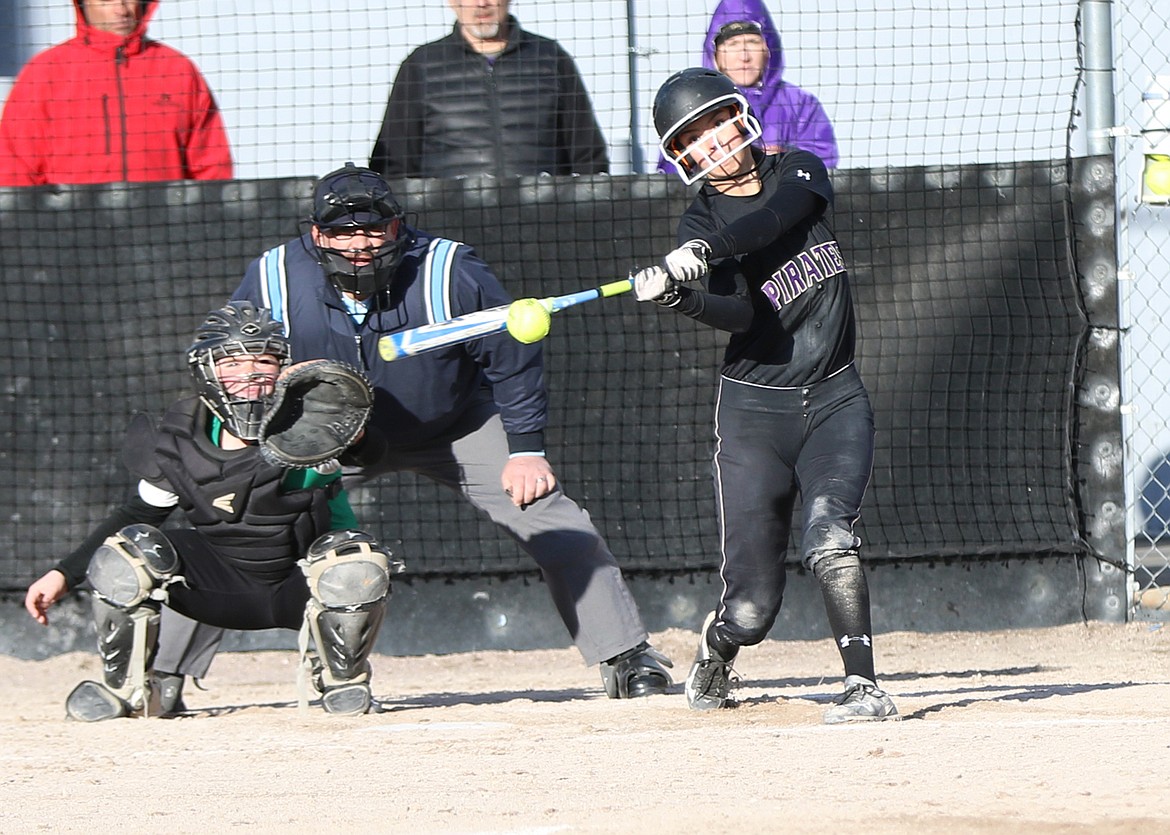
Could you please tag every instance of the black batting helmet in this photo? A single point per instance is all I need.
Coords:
(688, 95)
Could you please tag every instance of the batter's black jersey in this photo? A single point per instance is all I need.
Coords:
(802, 326)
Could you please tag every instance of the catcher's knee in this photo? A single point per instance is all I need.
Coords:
(134, 565)
(348, 570)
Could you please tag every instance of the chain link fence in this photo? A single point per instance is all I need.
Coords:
(1142, 74)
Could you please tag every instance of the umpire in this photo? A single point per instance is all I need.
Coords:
(470, 417)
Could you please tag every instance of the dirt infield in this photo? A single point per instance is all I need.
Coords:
(1055, 730)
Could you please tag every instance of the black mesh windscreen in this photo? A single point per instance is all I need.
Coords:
(970, 329)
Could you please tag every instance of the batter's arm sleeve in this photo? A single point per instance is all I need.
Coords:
(725, 305)
(788, 206)
(134, 510)
(804, 191)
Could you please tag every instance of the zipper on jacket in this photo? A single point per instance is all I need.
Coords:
(494, 107)
(119, 61)
(357, 341)
(106, 123)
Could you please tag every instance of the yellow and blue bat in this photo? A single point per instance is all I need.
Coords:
(481, 323)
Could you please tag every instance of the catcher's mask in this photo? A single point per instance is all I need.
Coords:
(238, 329)
(688, 95)
(357, 200)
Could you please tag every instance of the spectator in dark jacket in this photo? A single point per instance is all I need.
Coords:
(490, 98)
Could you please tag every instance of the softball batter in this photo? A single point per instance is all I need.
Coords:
(792, 412)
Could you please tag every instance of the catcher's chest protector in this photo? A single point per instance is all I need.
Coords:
(236, 499)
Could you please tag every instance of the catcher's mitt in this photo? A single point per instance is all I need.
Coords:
(318, 410)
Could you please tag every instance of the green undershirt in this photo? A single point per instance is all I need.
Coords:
(341, 515)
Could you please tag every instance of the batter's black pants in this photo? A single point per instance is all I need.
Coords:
(770, 444)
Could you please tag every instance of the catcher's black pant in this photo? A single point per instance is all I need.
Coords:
(216, 593)
(769, 444)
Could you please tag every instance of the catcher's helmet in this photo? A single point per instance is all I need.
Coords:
(239, 328)
(688, 95)
(359, 198)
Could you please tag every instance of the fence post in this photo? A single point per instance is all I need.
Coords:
(1097, 42)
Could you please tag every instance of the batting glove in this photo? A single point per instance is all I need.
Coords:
(654, 284)
(688, 262)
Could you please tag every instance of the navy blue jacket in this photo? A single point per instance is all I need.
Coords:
(416, 399)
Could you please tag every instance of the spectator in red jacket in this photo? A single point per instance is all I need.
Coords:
(111, 105)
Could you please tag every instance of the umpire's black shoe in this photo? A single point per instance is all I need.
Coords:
(637, 672)
(708, 686)
(168, 689)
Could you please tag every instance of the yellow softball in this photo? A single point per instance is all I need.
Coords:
(528, 320)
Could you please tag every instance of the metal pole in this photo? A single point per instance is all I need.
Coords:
(1097, 31)
(12, 51)
(635, 110)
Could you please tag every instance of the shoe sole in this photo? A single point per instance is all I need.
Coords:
(845, 720)
(92, 702)
(352, 700)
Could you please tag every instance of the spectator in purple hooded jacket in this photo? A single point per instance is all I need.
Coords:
(742, 43)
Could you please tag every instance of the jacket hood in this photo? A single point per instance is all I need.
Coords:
(730, 11)
(98, 37)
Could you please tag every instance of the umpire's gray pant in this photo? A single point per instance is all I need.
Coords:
(580, 571)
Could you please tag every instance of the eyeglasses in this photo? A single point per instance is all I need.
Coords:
(743, 43)
(347, 233)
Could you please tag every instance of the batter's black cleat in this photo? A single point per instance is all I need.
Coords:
(862, 701)
(637, 672)
(92, 701)
(708, 686)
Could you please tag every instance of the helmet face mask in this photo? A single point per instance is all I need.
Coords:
(352, 203)
(690, 95)
(239, 330)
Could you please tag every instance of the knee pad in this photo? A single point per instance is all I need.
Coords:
(348, 574)
(822, 562)
(134, 565)
(348, 570)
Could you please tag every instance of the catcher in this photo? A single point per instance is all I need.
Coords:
(253, 462)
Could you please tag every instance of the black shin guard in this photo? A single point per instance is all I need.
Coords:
(846, 594)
